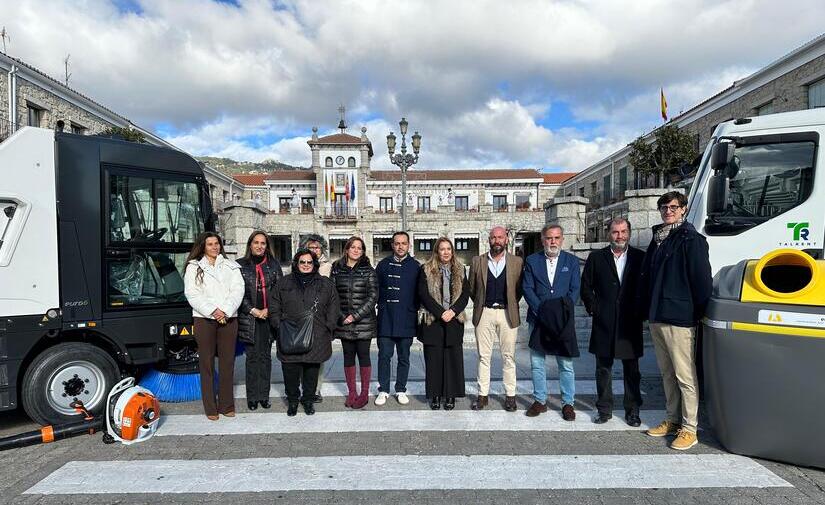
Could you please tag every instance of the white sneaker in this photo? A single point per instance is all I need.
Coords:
(381, 399)
(402, 398)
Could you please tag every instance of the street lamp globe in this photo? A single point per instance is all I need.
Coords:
(416, 142)
(403, 124)
(391, 143)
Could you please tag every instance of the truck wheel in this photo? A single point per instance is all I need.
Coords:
(64, 373)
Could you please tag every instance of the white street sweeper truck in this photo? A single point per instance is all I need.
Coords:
(94, 233)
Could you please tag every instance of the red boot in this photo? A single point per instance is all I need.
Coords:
(364, 397)
(349, 373)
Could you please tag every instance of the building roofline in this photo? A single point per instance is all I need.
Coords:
(76, 98)
(799, 56)
(781, 66)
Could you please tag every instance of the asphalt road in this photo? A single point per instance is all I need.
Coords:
(402, 454)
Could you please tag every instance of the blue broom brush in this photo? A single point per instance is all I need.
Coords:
(178, 384)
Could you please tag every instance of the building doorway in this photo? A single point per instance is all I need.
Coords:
(381, 248)
(336, 248)
(282, 248)
(527, 243)
(466, 248)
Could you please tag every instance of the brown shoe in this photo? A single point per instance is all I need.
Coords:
(480, 402)
(535, 409)
(212, 418)
(510, 404)
(231, 413)
(567, 413)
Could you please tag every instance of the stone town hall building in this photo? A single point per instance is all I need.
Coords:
(341, 196)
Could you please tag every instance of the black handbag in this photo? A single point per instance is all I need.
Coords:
(295, 337)
(247, 337)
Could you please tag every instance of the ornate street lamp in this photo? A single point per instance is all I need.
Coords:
(404, 161)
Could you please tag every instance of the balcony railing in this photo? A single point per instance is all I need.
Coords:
(340, 212)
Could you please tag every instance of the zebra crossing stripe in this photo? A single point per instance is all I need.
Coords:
(416, 388)
(395, 420)
(331, 473)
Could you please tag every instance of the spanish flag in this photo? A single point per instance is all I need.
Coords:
(663, 104)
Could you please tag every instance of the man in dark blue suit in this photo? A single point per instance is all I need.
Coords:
(397, 314)
(548, 275)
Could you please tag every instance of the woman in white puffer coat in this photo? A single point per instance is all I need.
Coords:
(214, 288)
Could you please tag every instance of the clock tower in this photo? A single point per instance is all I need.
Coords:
(341, 163)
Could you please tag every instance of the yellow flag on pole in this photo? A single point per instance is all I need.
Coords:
(663, 104)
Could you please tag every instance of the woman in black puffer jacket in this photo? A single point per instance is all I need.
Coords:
(302, 290)
(357, 286)
(261, 273)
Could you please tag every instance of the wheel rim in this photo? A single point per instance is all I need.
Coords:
(79, 380)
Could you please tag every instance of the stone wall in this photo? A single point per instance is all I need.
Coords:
(568, 212)
(787, 93)
(641, 213)
(54, 109)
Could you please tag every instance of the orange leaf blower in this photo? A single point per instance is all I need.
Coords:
(132, 415)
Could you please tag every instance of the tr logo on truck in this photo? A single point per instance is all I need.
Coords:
(800, 230)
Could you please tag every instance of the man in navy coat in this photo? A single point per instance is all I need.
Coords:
(551, 273)
(397, 315)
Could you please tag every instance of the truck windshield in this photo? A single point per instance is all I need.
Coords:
(153, 210)
(767, 180)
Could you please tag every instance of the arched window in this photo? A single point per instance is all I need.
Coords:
(328, 162)
(351, 162)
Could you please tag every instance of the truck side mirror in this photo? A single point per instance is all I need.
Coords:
(721, 157)
(718, 189)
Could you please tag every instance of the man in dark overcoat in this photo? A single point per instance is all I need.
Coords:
(608, 290)
(397, 316)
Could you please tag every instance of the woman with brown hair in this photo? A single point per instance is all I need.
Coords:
(214, 288)
(261, 273)
(444, 293)
(357, 286)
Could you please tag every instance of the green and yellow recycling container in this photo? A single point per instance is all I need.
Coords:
(764, 357)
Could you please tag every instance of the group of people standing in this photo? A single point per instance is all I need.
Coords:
(401, 299)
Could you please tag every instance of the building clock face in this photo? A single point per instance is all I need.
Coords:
(339, 160)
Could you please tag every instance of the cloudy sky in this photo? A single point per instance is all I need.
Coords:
(554, 85)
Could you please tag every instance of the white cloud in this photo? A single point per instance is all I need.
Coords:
(476, 76)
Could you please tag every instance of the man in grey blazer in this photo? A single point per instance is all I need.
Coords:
(495, 288)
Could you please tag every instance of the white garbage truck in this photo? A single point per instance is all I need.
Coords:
(94, 233)
(759, 198)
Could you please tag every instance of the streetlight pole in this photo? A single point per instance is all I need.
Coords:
(403, 161)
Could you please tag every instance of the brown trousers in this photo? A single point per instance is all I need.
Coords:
(211, 336)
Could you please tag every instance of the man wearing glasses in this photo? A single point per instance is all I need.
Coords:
(675, 288)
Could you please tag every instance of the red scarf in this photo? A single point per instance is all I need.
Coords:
(259, 274)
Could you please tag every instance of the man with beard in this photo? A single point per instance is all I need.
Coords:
(609, 284)
(552, 275)
(495, 287)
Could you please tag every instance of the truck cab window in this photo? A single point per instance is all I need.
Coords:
(152, 224)
(153, 210)
(146, 278)
(765, 181)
